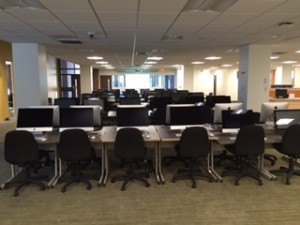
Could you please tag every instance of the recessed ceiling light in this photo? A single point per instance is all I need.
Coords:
(102, 62)
(227, 65)
(155, 58)
(150, 62)
(94, 57)
(197, 63)
(286, 24)
(213, 58)
(289, 62)
(274, 57)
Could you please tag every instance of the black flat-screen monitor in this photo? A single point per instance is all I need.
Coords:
(190, 115)
(281, 93)
(76, 118)
(168, 110)
(267, 110)
(129, 101)
(210, 101)
(55, 112)
(219, 107)
(159, 102)
(132, 116)
(237, 118)
(285, 118)
(96, 113)
(66, 102)
(35, 119)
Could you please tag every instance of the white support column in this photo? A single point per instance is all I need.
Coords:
(86, 78)
(189, 78)
(30, 70)
(254, 75)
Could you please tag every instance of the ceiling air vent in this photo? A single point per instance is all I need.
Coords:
(68, 40)
(278, 53)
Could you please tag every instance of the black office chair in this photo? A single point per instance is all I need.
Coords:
(75, 148)
(21, 149)
(248, 146)
(194, 145)
(290, 146)
(129, 146)
(205, 117)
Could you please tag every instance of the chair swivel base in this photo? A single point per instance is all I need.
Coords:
(193, 175)
(77, 179)
(289, 171)
(130, 177)
(168, 160)
(240, 174)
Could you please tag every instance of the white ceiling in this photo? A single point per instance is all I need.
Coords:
(125, 27)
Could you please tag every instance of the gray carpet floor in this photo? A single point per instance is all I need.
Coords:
(173, 203)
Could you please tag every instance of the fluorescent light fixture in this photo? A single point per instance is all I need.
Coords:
(150, 62)
(21, 4)
(227, 65)
(274, 57)
(8, 63)
(289, 62)
(197, 63)
(102, 62)
(213, 58)
(298, 51)
(157, 58)
(94, 57)
(209, 5)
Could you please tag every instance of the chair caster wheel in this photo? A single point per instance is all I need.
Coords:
(194, 186)
(112, 181)
(236, 183)
(211, 180)
(89, 187)
(63, 190)
(16, 194)
(147, 185)
(260, 183)
(43, 188)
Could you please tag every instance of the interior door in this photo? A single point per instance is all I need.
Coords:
(70, 86)
(105, 82)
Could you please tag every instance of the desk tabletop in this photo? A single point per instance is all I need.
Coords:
(110, 132)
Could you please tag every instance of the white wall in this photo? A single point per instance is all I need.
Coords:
(227, 82)
(52, 77)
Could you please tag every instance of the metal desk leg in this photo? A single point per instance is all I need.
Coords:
(211, 166)
(13, 175)
(52, 182)
(106, 164)
(103, 168)
(263, 171)
(159, 175)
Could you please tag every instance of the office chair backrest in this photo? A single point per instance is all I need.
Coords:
(74, 144)
(20, 147)
(129, 144)
(291, 140)
(194, 142)
(250, 141)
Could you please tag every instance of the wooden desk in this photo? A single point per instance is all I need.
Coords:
(294, 103)
(108, 140)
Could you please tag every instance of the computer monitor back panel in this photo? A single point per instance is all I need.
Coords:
(285, 118)
(35, 119)
(267, 110)
(219, 107)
